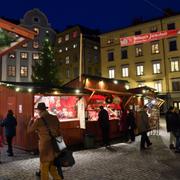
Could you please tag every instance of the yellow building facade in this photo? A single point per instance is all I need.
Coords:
(155, 64)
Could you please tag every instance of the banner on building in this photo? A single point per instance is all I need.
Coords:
(144, 38)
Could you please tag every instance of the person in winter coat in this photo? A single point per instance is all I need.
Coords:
(131, 125)
(10, 124)
(46, 150)
(143, 127)
(171, 126)
(104, 125)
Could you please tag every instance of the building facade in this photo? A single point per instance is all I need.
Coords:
(17, 65)
(155, 64)
(68, 53)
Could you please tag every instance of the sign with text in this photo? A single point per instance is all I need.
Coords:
(144, 38)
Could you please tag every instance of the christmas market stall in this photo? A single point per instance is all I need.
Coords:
(146, 96)
(23, 98)
(109, 93)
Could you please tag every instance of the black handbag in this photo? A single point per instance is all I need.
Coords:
(65, 159)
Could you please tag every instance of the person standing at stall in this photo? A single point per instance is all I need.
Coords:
(171, 126)
(10, 124)
(46, 150)
(131, 125)
(143, 128)
(104, 124)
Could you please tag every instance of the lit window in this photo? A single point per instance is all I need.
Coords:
(24, 55)
(60, 50)
(67, 59)
(175, 64)
(66, 48)
(74, 45)
(24, 45)
(11, 71)
(24, 71)
(35, 56)
(74, 35)
(36, 30)
(12, 55)
(59, 40)
(154, 29)
(155, 48)
(68, 73)
(96, 47)
(140, 84)
(140, 70)
(67, 37)
(158, 86)
(35, 45)
(111, 73)
(125, 71)
(139, 51)
(156, 67)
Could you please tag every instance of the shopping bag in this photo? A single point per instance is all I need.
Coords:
(60, 142)
(65, 159)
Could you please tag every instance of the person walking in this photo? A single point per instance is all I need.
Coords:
(131, 125)
(104, 124)
(171, 126)
(46, 150)
(143, 127)
(10, 124)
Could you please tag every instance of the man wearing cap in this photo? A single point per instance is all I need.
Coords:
(47, 153)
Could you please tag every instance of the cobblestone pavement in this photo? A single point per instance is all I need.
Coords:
(120, 162)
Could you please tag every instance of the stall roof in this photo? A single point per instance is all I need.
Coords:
(12, 35)
(142, 90)
(43, 88)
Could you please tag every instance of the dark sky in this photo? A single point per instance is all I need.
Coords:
(105, 15)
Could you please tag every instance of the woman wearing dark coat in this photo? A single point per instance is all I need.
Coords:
(10, 124)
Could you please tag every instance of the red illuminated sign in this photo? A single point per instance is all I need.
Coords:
(144, 38)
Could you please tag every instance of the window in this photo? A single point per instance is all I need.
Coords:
(156, 68)
(74, 45)
(67, 37)
(176, 84)
(171, 26)
(140, 84)
(36, 19)
(111, 73)
(140, 70)
(67, 59)
(154, 29)
(172, 45)
(74, 35)
(89, 70)
(11, 71)
(25, 45)
(175, 64)
(139, 51)
(68, 73)
(137, 33)
(155, 48)
(36, 30)
(110, 56)
(12, 55)
(124, 53)
(125, 71)
(24, 55)
(24, 71)
(35, 56)
(96, 55)
(35, 45)
(158, 86)
(76, 71)
(59, 40)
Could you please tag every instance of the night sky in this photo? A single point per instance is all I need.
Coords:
(104, 15)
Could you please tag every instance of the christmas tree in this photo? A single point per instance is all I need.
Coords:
(45, 69)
